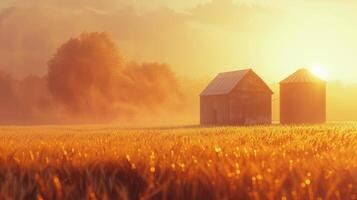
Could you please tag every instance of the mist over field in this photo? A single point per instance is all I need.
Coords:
(119, 99)
(159, 56)
(89, 80)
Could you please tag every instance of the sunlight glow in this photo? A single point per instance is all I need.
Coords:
(320, 71)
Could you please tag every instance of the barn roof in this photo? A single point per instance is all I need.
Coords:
(302, 76)
(225, 82)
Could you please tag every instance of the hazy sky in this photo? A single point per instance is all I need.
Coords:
(197, 38)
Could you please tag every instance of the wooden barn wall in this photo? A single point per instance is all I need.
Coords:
(250, 102)
(302, 103)
(251, 83)
(250, 108)
(214, 110)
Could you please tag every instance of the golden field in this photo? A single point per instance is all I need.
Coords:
(97, 162)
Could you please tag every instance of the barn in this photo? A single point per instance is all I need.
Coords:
(302, 99)
(236, 98)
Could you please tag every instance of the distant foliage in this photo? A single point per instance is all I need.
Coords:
(92, 80)
(82, 73)
(89, 81)
(291, 162)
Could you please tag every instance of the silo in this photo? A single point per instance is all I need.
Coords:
(302, 99)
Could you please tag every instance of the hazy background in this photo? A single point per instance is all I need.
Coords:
(194, 39)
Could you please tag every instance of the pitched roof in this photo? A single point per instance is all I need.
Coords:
(225, 82)
(302, 76)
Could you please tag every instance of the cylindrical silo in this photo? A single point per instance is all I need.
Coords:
(302, 99)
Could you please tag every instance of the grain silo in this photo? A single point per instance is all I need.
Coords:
(302, 99)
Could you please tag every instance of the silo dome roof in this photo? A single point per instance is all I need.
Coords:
(302, 76)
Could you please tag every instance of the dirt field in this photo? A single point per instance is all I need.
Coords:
(96, 162)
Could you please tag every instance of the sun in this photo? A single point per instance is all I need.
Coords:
(319, 71)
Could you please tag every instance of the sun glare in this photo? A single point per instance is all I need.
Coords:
(320, 72)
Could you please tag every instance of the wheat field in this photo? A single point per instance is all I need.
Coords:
(97, 162)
